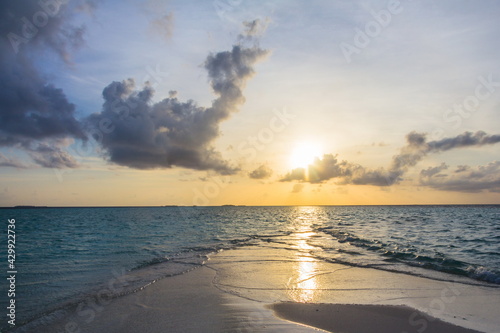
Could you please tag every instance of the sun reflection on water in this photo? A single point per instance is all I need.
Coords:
(303, 284)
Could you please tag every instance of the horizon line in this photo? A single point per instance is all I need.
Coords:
(231, 205)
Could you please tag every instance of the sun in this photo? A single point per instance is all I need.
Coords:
(304, 154)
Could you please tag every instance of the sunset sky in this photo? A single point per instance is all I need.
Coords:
(249, 102)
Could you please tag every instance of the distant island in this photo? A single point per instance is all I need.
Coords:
(29, 207)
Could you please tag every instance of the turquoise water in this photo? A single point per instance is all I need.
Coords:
(63, 255)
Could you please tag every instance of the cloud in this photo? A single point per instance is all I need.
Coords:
(36, 116)
(462, 168)
(432, 171)
(464, 178)
(33, 112)
(417, 147)
(147, 135)
(329, 167)
(466, 139)
(11, 162)
(50, 155)
(164, 25)
(261, 172)
(297, 188)
(296, 174)
(255, 28)
(380, 144)
(322, 169)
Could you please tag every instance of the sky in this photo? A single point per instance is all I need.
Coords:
(145, 103)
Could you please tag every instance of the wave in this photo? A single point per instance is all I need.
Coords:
(483, 274)
(412, 256)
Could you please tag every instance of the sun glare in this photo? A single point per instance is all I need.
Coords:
(304, 154)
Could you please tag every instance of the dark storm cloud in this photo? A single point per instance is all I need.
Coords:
(33, 112)
(417, 147)
(148, 135)
(262, 172)
(464, 178)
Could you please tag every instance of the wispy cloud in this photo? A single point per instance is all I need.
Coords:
(464, 178)
(11, 162)
(48, 154)
(164, 25)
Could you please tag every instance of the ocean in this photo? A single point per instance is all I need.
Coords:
(65, 256)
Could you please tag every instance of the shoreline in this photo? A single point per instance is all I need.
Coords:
(188, 302)
(268, 288)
